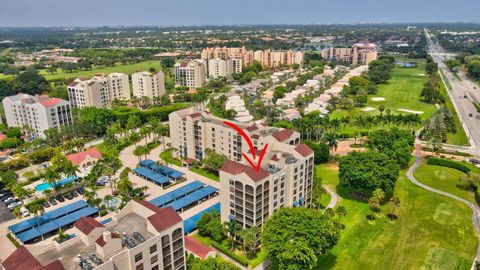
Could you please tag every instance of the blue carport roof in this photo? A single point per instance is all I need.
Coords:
(158, 178)
(75, 206)
(162, 200)
(47, 227)
(147, 162)
(28, 235)
(190, 224)
(85, 212)
(22, 226)
(64, 221)
(56, 213)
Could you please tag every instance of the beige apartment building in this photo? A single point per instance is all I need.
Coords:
(141, 236)
(223, 68)
(267, 58)
(285, 177)
(148, 84)
(360, 53)
(98, 91)
(36, 112)
(191, 73)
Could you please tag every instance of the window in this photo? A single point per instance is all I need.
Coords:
(139, 267)
(153, 249)
(138, 257)
(154, 259)
(155, 267)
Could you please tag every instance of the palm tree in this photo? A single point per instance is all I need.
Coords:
(232, 228)
(331, 139)
(249, 238)
(138, 152)
(37, 209)
(47, 193)
(62, 236)
(395, 202)
(51, 177)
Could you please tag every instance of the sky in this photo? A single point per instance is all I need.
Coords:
(228, 12)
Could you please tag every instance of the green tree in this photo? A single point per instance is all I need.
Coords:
(232, 228)
(295, 237)
(249, 239)
(209, 225)
(213, 161)
(321, 151)
(395, 202)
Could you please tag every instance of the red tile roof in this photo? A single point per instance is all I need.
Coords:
(50, 102)
(73, 84)
(283, 135)
(55, 265)
(304, 150)
(78, 158)
(148, 205)
(195, 247)
(164, 219)
(87, 224)
(197, 114)
(21, 259)
(101, 242)
(252, 128)
(235, 168)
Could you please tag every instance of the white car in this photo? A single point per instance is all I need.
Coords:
(13, 205)
(24, 211)
(9, 199)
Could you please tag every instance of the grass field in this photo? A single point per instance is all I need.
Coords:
(403, 92)
(432, 231)
(128, 69)
(443, 178)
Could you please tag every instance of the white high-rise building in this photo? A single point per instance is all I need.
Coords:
(191, 73)
(217, 68)
(148, 84)
(37, 112)
(99, 91)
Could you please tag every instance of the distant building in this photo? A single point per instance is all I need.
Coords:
(37, 112)
(148, 84)
(246, 57)
(98, 91)
(360, 53)
(191, 73)
(217, 68)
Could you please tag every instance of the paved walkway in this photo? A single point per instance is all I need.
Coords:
(474, 207)
(333, 197)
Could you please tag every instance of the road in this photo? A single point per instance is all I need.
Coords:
(462, 92)
(474, 207)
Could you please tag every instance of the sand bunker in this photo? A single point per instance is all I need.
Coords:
(368, 109)
(421, 74)
(378, 98)
(410, 111)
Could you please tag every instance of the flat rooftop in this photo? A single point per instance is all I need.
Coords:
(68, 256)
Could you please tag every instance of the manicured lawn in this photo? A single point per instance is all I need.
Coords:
(443, 178)
(128, 69)
(167, 156)
(432, 231)
(261, 255)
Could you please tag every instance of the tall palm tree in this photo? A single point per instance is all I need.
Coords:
(331, 139)
(232, 228)
(51, 177)
(395, 202)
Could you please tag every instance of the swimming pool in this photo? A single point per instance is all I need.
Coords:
(44, 186)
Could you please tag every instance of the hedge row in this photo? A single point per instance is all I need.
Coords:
(122, 114)
(448, 163)
(477, 196)
(241, 260)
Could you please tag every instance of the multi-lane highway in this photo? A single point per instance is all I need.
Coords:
(462, 92)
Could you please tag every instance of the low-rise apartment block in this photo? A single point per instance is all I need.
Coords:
(36, 112)
(140, 236)
(360, 53)
(148, 84)
(99, 91)
(191, 73)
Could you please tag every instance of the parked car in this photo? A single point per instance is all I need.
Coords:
(9, 199)
(12, 205)
(6, 195)
(46, 204)
(74, 194)
(68, 196)
(60, 198)
(24, 211)
(81, 191)
(474, 161)
(52, 201)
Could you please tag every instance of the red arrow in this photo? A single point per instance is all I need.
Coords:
(250, 145)
(257, 167)
(244, 135)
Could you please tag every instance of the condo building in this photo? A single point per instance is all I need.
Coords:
(141, 236)
(98, 91)
(191, 73)
(360, 53)
(36, 112)
(148, 84)
(217, 68)
(267, 58)
(284, 179)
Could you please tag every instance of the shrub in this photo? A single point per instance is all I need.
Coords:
(103, 212)
(41, 155)
(448, 163)
(241, 260)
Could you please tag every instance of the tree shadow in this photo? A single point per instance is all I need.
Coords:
(392, 217)
(370, 217)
